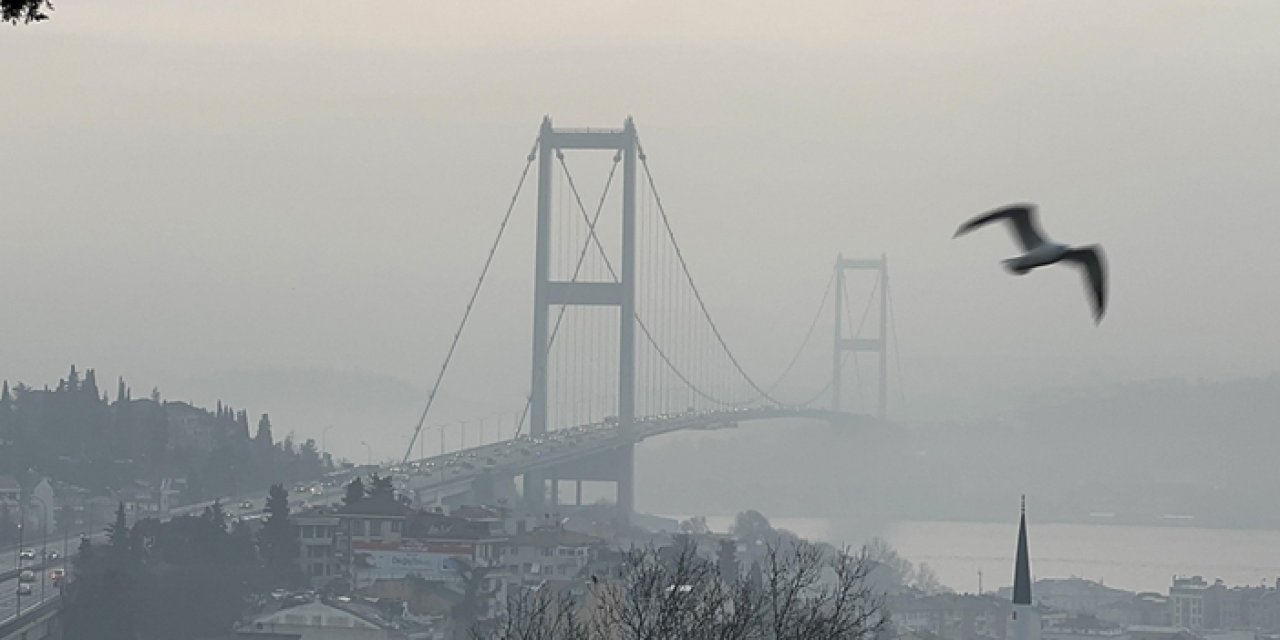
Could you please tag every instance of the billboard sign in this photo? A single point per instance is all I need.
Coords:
(371, 561)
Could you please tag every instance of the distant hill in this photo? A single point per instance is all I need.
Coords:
(1140, 451)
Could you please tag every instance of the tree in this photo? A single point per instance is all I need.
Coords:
(380, 487)
(24, 11)
(263, 437)
(696, 525)
(355, 492)
(804, 591)
(926, 581)
(118, 531)
(277, 541)
(477, 592)
(891, 571)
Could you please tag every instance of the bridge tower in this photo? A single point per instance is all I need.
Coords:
(548, 293)
(879, 345)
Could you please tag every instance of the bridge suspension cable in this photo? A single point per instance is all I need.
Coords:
(826, 293)
(475, 292)
(697, 293)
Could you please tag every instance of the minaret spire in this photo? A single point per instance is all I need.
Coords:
(1022, 566)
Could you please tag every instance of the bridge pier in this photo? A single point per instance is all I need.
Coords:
(615, 465)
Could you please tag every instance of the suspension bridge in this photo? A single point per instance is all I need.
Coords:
(624, 346)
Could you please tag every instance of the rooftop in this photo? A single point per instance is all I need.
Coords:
(554, 537)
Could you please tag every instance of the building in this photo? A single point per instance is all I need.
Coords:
(10, 490)
(1144, 609)
(334, 620)
(43, 503)
(1075, 595)
(386, 540)
(1186, 601)
(548, 554)
(317, 530)
(1082, 627)
(1025, 620)
(951, 616)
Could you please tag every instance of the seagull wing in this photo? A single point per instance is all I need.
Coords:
(1021, 216)
(1096, 274)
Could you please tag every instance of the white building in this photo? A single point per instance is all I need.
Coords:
(323, 621)
(548, 554)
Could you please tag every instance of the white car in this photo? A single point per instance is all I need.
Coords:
(27, 554)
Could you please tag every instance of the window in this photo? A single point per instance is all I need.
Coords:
(357, 527)
(548, 551)
(395, 526)
(308, 531)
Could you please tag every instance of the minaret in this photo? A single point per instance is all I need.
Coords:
(1026, 622)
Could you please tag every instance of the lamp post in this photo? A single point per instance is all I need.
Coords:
(22, 521)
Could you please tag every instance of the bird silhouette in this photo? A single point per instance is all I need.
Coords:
(1039, 251)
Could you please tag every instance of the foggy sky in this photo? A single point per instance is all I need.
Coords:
(195, 192)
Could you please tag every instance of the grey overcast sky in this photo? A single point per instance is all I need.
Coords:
(194, 189)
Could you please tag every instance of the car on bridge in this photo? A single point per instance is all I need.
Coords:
(24, 589)
(27, 554)
(27, 575)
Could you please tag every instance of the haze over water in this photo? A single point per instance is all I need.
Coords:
(1126, 557)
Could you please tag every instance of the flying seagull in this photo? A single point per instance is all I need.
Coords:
(1040, 251)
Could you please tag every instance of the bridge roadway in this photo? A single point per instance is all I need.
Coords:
(458, 472)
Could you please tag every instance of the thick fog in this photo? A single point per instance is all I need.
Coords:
(285, 205)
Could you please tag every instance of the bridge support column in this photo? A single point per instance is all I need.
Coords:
(482, 489)
(879, 345)
(551, 290)
(535, 491)
(626, 479)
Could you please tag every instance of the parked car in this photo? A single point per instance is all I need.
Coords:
(246, 504)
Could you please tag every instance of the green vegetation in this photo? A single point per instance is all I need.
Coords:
(75, 434)
(184, 578)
